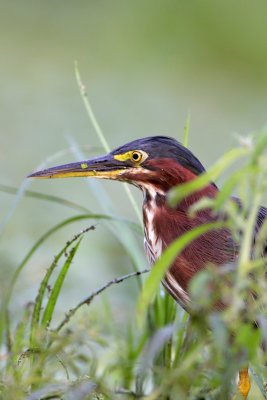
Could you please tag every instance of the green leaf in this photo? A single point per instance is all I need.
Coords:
(186, 130)
(249, 338)
(55, 229)
(227, 189)
(39, 242)
(40, 296)
(259, 148)
(39, 301)
(49, 310)
(100, 134)
(44, 196)
(185, 189)
(260, 381)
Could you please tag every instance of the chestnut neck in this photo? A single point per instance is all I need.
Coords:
(157, 183)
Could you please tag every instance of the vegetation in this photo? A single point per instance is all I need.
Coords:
(161, 353)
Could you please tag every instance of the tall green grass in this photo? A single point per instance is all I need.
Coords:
(161, 353)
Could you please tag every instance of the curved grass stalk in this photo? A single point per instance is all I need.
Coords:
(186, 130)
(22, 188)
(100, 134)
(53, 230)
(94, 294)
(185, 189)
(56, 288)
(45, 197)
(37, 244)
(49, 309)
(124, 236)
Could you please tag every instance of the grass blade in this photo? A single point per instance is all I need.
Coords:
(123, 234)
(100, 134)
(39, 243)
(14, 204)
(43, 196)
(55, 229)
(89, 109)
(185, 189)
(40, 296)
(91, 297)
(186, 130)
(24, 185)
(49, 309)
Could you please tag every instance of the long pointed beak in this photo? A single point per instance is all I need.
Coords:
(105, 167)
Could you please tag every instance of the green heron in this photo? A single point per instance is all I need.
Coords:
(155, 165)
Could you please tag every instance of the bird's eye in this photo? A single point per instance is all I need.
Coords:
(136, 156)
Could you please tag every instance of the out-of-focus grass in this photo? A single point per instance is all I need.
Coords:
(167, 355)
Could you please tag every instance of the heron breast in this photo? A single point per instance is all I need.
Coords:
(153, 243)
(154, 246)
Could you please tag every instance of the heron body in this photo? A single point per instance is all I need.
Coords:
(155, 165)
(163, 225)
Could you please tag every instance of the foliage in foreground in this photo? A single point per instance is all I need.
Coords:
(167, 355)
(161, 353)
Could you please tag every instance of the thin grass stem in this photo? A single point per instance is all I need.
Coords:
(91, 297)
(43, 196)
(101, 135)
(186, 130)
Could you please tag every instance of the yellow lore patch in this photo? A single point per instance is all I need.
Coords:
(136, 156)
(84, 166)
(123, 157)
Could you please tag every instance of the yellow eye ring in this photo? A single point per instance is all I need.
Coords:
(136, 156)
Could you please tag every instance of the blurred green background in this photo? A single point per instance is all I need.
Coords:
(145, 64)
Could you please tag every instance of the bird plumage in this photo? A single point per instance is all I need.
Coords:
(162, 225)
(155, 165)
